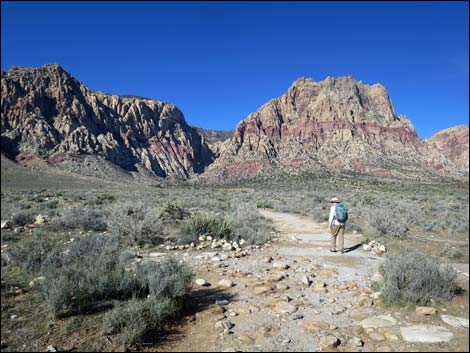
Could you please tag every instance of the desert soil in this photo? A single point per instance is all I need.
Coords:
(258, 321)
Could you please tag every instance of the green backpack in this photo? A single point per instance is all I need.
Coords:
(341, 213)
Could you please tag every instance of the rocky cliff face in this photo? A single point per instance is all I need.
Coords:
(47, 113)
(453, 143)
(334, 124)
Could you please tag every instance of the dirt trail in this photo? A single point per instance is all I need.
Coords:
(303, 245)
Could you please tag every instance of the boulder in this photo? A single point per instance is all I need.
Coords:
(455, 321)
(425, 334)
(378, 321)
(329, 342)
(425, 310)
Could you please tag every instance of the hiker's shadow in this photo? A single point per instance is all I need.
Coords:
(352, 248)
(201, 299)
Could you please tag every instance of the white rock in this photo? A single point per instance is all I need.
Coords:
(201, 282)
(209, 238)
(37, 281)
(225, 283)
(366, 247)
(425, 334)
(378, 321)
(455, 321)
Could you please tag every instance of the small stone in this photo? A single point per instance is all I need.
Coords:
(282, 287)
(285, 308)
(306, 280)
(5, 225)
(225, 283)
(276, 277)
(37, 281)
(202, 282)
(13, 317)
(384, 348)
(425, 310)
(267, 259)
(377, 277)
(315, 325)
(338, 309)
(280, 265)
(261, 290)
(366, 247)
(329, 342)
(356, 342)
(224, 325)
(51, 348)
(376, 336)
(40, 219)
(246, 339)
(264, 329)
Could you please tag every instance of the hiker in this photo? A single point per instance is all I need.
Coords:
(337, 223)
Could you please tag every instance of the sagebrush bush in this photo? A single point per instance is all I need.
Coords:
(414, 278)
(250, 225)
(84, 218)
(137, 318)
(22, 218)
(136, 223)
(264, 204)
(163, 287)
(390, 223)
(31, 254)
(92, 270)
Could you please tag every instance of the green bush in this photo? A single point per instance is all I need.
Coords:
(264, 204)
(208, 224)
(414, 278)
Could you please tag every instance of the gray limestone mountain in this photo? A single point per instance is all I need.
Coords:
(335, 124)
(214, 138)
(47, 113)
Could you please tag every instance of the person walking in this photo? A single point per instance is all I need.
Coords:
(337, 223)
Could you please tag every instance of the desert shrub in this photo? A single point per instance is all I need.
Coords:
(136, 223)
(92, 270)
(101, 200)
(22, 218)
(135, 319)
(249, 225)
(264, 204)
(207, 224)
(452, 253)
(389, 224)
(172, 211)
(84, 218)
(164, 285)
(414, 278)
(32, 253)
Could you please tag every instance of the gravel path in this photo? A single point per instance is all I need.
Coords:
(272, 308)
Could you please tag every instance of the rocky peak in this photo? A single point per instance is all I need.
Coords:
(453, 143)
(48, 113)
(337, 123)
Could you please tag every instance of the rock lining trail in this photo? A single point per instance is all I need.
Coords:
(295, 295)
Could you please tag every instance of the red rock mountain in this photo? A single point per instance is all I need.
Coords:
(47, 113)
(334, 124)
(453, 143)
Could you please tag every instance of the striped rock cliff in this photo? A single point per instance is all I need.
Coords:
(48, 114)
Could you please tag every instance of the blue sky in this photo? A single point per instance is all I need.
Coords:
(220, 61)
